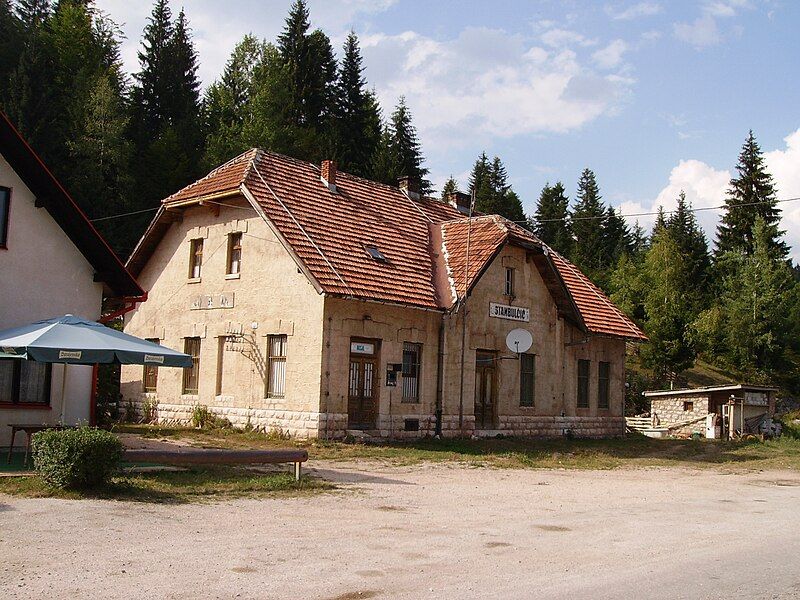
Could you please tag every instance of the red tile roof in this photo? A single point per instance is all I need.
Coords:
(329, 230)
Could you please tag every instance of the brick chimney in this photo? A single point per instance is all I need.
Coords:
(328, 175)
(459, 200)
(409, 186)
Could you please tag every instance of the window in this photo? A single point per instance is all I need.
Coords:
(688, 406)
(191, 375)
(5, 211)
(24, 382)
(411, 369)
(234, 253)
(603, 382)
(276, 383)
(150, 375)
(527, 379)
(583, 383)
(195, 258)
(375, 253)
(509, 281)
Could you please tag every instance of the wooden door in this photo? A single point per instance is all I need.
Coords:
(362, 397)
(485, 392)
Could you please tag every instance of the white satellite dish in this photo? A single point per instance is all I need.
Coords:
(519, 340)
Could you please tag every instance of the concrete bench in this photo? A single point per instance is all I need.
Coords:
(214, 456)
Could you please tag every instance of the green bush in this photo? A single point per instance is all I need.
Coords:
(203, 418)
(76, 458)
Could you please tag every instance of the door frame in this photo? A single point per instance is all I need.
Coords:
(495, 395)
(376, 358)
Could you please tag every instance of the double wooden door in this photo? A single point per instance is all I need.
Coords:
(485, 390)
(362, 397)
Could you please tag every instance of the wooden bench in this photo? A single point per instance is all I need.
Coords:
(215, 456)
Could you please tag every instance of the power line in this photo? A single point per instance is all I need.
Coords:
(666, 212)
(627, 216)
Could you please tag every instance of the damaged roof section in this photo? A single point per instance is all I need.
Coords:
(326, 226)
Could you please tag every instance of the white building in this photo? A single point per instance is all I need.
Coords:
(52, 262)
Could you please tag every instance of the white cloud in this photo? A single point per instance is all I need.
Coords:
(704, 31)
(610, 56)
(700, 33)
(706, 186)
(635, 11)
(487, 84)
(561, 38)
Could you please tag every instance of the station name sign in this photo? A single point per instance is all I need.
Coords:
(511, 313)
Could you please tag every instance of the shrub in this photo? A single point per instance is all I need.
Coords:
(149, 410)
(203, 418)
(76, 458)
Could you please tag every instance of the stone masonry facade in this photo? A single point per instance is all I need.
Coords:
(669, 411)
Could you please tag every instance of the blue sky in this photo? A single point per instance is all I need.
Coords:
(655, 96)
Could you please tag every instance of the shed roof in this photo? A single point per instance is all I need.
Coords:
(734, 387)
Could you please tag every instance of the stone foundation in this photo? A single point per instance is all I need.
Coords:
(300, 424)
(307, 424)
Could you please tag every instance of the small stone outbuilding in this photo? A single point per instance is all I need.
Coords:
(710, 410)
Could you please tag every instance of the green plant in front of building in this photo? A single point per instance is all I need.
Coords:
(76, 458)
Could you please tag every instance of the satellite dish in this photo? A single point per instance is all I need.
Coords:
(519, 340)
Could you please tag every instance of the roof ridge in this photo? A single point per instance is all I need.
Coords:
(236, 159)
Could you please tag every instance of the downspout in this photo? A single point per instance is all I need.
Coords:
(439, 380)
(130, 303)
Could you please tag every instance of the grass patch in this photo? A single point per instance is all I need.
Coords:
(177, 487)
(632, 451)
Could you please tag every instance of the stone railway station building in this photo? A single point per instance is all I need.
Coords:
(320, 303)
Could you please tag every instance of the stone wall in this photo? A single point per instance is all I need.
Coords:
(670, 410)
(300, 424)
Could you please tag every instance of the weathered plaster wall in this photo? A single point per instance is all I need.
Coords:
(43, 275)
(270, 293)
(556, 361)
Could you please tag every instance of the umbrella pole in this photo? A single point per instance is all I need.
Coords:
(63, 393)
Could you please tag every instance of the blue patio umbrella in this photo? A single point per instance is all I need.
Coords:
(72, 340)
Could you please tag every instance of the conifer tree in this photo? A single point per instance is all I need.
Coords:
(687, 233)
(551, 220)
(639, 241)
(669, 310)
(450, 187)
(749, 328)
(587, 217)
(228, 103)
(356, 126)
(400, 153)
(493, 194)
(303, 120)
(11, 42)
(617, 237)
(751, 194)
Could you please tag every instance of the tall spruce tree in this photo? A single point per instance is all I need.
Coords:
(165, 123)
(399, 153)
(307, 86)
(668, 306)
(617, 236)
(687, 233)
(551, 220)
(752, 194)
(228, 102)
(11, 42)
(450, 187)
(356, 125)
(493, 194)
(749, 328)
(588, 216)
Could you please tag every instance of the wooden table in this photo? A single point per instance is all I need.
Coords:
(29, 429)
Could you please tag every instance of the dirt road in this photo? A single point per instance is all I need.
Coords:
(428, 531)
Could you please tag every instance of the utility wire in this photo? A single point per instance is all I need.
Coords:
(640, 214)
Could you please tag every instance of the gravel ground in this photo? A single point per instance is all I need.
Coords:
(428, 531)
